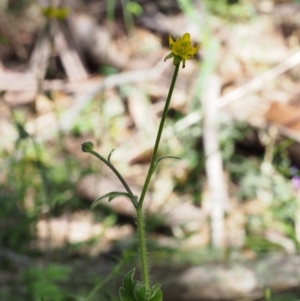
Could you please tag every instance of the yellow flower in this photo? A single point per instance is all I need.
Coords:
(182, 49)
(52, 12)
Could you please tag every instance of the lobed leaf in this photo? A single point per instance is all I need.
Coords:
(111, 196)
(129, 283)
(141, 293)
(123, 295)
(165, 157)
(158, 296)
(129, 287)
(136, 291)
(155, 288)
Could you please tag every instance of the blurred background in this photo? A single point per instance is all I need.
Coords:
(223, 223)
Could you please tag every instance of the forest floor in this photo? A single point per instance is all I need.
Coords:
(99, 75)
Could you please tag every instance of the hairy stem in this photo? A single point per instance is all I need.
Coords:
(142, 243)
(139, 211)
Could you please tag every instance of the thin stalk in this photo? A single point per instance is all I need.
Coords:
(117, 174)
(159, 133)
(139, 210)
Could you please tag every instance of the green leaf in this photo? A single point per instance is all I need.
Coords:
(109, 156)
(134, 8)
(123, 295)
(141, 293)
(111, 196)
(165, 157)
(155, 288)
(155, 293)
(136, 291)
(158, 296)
(23, 134)
(129, 283)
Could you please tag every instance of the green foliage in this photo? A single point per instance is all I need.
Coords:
(268, 294)
(52, 178)
(277, 193)
(260, 244)
(136, 291)
(285, 296)
(231, 132)
(155, 293)
(46, 282)
(165, 157)
(134, 8)
(127, 255)
(36, 181)
(111, 196)
(130, 9)
(231, 10)
(15, 224)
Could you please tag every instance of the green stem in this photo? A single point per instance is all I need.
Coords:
(142, 243)
(139, 211)
(117, 174)
(159, 133)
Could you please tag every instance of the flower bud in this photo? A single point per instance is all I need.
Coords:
(87, 146)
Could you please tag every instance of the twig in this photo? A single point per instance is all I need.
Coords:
(70, 58)
(213, 162)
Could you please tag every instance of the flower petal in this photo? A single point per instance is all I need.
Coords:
(186, 37)
(195, 49)
(171, 42)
